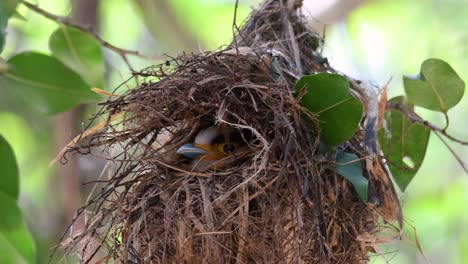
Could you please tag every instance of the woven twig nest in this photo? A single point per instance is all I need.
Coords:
(282, 202)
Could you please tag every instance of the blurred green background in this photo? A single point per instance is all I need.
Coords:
(369, 40)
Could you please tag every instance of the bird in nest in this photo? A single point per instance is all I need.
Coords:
(216, 148)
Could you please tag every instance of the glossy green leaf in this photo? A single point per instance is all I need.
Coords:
(9, 178)
(438, 87)
(350, 167)
(43, 82)
(80, 52)
(406, 148)
(16, 243)
(338, 112)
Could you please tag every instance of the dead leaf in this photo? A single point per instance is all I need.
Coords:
(383, 103)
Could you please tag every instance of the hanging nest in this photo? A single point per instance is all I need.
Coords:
(280, 202)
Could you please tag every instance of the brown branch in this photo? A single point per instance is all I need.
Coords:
(415, 118)
(88, 30)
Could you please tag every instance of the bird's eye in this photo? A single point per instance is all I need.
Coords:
(228, 148)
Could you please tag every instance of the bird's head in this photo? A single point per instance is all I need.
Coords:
(215, 148)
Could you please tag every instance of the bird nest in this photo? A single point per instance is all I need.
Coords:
(279, 202)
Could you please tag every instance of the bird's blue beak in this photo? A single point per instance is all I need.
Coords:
(191, 151)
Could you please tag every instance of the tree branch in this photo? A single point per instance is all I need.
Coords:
(415, 118)
(88, 30)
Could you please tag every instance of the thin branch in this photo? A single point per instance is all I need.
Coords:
(234, 27)
(410, 114)
(460, 161)
(88, 30)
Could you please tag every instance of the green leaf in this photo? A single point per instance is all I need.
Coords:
(7, 9)
(80, 52)
(350, 167)
(2, 39)
(438, 87)
(406, 148)
(16, 243)
(9, 177)
(338, 112)
(43, 82)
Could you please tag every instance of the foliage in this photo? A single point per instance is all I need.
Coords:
(406, 147)
(338, 112)
(14, 236)
(437, 87)
(45, 83)
(9, 184)
(80, 52)
(349, 166)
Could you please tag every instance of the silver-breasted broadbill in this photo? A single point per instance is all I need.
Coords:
(216, 148)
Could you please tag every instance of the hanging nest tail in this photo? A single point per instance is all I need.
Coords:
(281, 201)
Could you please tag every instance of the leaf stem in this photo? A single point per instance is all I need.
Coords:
(447, 122)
